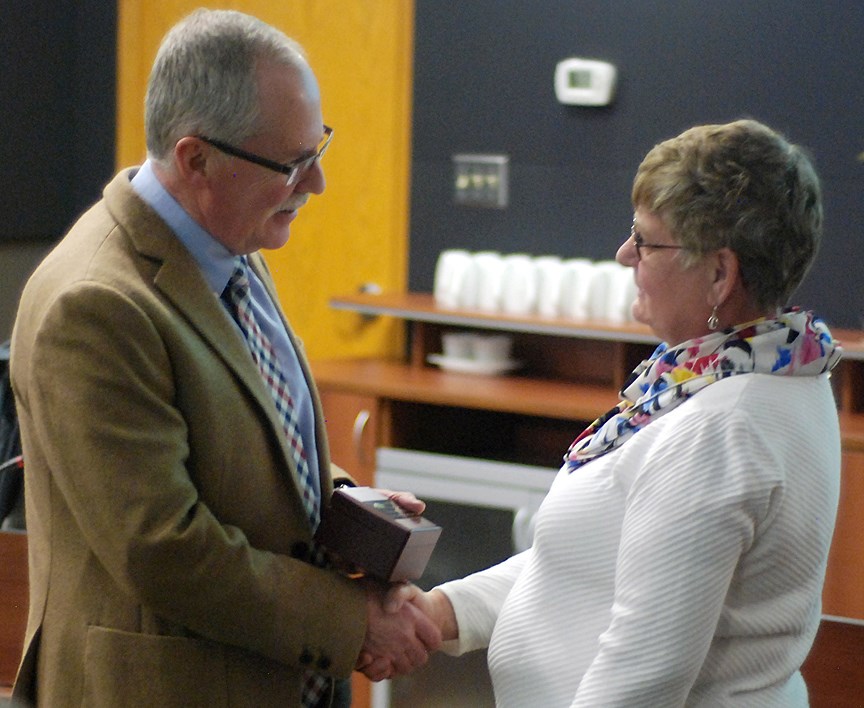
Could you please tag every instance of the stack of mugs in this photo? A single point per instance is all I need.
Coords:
(520, 284)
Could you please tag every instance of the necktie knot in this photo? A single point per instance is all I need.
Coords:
(237, 287)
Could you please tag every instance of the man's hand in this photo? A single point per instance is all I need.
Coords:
(434, 604)
(405, 501)
(397, 641)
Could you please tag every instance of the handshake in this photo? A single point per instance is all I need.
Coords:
(404, 624)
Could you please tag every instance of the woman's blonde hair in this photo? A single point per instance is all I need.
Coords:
(740, 186)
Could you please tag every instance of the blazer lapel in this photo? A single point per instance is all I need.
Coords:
(180, 280)
(259, 264)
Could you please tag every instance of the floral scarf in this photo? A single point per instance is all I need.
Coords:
(794, 344)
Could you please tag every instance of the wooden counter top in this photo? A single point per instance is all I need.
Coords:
(511, 394)
(398, 381)
(421, 307)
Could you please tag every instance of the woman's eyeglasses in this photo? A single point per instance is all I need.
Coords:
(640, 244)
(294, 171)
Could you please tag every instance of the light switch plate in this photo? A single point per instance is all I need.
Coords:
(481, 180)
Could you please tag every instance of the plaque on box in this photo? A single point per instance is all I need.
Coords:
(370, 532)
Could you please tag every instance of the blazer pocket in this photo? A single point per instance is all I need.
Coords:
(129, 669)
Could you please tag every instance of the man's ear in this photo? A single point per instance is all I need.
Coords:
(191, 159)
(726, 275)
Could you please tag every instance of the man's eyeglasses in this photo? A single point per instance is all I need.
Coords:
(640, 244)
(293, 170)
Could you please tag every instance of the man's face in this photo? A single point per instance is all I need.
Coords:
(247, 206)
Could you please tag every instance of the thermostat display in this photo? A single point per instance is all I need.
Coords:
(584, 82)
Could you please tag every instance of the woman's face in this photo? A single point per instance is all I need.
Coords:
(673, 300)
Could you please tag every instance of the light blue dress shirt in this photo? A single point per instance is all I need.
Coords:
(217, 264)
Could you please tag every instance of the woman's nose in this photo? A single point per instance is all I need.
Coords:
(626, 254)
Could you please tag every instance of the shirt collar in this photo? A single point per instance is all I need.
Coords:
(216, 261)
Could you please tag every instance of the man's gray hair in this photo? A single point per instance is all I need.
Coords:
(204, 78)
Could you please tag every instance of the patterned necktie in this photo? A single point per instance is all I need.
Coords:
(236, 297)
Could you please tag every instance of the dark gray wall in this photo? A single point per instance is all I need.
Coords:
(57, 134)
(484, 83)
(57, 92)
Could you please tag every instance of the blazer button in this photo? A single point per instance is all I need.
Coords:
(324, 663)
(300, 551)
(306, 657)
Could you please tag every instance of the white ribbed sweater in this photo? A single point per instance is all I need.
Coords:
(684, 568)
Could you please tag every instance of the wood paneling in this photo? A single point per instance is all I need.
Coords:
(356, 232)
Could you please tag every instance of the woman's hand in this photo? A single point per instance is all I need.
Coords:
(399, 636)
(434, 604)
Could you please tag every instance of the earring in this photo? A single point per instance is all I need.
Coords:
(713, 320)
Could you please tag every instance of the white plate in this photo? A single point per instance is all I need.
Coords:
(473, 366)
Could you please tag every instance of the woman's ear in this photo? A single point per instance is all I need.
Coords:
(726, 275)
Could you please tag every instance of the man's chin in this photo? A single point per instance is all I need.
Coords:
(273, 243)
(278, 230)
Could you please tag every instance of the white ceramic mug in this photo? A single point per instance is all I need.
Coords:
(519, 289)
(450, 273)
(576, 277)
(492, 347)
(602, 297)
(621, 296)
(549, 271)
(469, 287)
(489, 266)
(457, 345)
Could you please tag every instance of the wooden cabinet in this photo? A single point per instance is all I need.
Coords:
(352, 426)
(570, 373)
(13, 605)
(843, 595)
(833, 667)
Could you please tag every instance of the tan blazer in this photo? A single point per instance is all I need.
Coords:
(163, 522)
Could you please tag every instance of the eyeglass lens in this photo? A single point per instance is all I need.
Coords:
(301, 168)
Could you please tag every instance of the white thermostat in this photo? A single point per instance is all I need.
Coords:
(584, 82)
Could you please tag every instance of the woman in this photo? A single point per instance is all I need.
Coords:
(679, 556)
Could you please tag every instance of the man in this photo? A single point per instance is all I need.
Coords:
(172, 490)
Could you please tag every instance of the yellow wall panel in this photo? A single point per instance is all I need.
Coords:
(356, 232)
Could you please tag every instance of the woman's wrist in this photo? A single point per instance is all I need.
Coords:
(443, 614)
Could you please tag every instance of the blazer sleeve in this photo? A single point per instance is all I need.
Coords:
(174, 481)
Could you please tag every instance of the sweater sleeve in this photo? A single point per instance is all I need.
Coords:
(477, 600)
